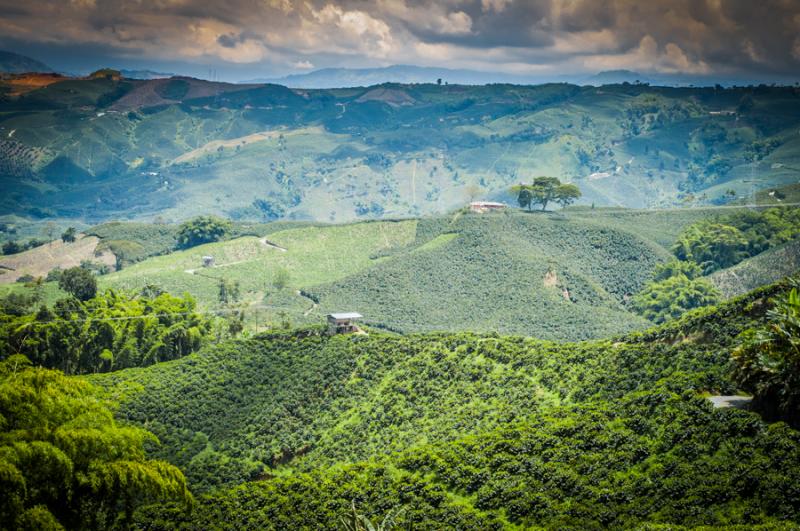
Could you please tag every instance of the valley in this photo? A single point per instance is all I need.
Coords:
(172, 248)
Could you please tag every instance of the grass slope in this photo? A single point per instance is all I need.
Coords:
(769, 266)
(310, 255)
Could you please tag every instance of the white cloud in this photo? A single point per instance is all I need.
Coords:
(303, 65)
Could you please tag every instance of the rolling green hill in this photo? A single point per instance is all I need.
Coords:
(91, 150)
(564, 276)
(557, 276)
(468, 430)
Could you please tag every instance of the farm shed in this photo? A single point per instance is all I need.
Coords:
(481, 207)
(343, 323)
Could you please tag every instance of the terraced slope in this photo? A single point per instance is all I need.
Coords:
(550, 277)
(769, 266)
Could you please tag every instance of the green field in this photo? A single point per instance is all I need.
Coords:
(310, 256)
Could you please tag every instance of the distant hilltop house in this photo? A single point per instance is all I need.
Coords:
(481, 207)
(208, 261)
(343, 323)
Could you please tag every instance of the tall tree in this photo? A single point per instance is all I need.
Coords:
(524, 196)
(544, 190)
(64, 460)
(78, 282)
(202, 229)
(566, 194)
(68, 235)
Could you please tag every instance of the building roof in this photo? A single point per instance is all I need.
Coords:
(345, 315)
(487, 204)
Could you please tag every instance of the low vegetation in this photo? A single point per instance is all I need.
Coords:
(575, 435)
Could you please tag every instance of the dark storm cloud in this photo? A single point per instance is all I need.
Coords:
(697, 36)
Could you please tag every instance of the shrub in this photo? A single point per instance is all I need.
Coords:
(202, 229)
(79, 283)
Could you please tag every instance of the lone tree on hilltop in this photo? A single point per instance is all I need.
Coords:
(68, 235)
(78, 282)
(202, 229)
(543, 191)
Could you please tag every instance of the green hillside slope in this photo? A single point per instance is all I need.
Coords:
(769, 266)
(97, 149)
(563, 277)
(481, 431)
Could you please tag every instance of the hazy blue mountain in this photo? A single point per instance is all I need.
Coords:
(363, 77)
(14, 63)
(145, 74)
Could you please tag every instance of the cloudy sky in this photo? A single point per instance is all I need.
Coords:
(250, 38)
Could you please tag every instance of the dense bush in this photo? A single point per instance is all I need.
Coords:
(65, 462)
(476, 431)
(719, 244)
(671, 297)
(78, 282)
(551, 278)
(767, 362)
(202, 229)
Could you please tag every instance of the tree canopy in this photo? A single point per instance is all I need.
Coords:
(545, 190)
(767, 360)
(672, 296)
(110, 331)
(65, 462)
(202, 229)
(78, 282)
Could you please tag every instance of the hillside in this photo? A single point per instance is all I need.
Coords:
(38, 261)
(571, 274)
(575, 435)
(14, 63)
(769, 266)
(558, 276)
(90, 150)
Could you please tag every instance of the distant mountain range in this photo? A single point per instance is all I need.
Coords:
(144, 74)
(327, 78)
(14, 63)
(364, 77)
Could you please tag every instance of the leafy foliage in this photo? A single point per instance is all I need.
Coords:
(671, 297)
(65, 462)
(78, 282)
(712, 245)
(202, 229)
(544, 190)
(570, 278)
(767, 362)
(720, 244)
(477, 431)
(110, 331)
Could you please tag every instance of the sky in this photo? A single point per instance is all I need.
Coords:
(244, 39)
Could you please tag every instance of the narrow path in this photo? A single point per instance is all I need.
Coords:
(314, 305)
(268, 243)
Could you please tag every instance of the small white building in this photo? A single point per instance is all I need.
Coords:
(343, 323)
(208, 261)
(481, 207)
